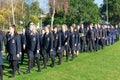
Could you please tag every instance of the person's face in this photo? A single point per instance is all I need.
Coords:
(71, 28)
(11, 30)
(63, 28)
(78, 27)
(31, 26)
(55, 29)
(46, 29)
(43, 31)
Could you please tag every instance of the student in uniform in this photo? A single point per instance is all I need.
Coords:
(82, 37)
(100, 36)
(96, 37)
(42, 50)
(23, 45)
(33, 47)
(52, 51)
(14, 49)
(104, 36)
(90, 36)
(1, 60)
(72, 42)
(46, 46)
(8, 55)
(65, 41)
(58, 44)
(112, 34)
(77, 37)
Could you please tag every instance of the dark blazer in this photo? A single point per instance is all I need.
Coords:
(72, 40)
(33, 40)
(13, 46)
(47, 42)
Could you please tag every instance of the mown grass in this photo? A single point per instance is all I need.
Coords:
(101, 65)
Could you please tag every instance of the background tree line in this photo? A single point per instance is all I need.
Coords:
(19, 12)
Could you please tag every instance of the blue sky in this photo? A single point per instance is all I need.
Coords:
(99, 2)
(45, 7)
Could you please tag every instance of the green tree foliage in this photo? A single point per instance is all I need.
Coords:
(34, 18)
(76, 11)
(83, 11)
(113, 11)
(35, 8)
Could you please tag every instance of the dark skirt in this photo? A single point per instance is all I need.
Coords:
(30, 54)
(37, 55)
(78, 47)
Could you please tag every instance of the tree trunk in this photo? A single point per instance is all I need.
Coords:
(13, 12)
(53, 14)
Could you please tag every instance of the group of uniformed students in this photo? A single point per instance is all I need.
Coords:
(53, 43)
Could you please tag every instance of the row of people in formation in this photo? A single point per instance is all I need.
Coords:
(49, 43)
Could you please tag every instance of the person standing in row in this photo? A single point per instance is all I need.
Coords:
(46, 46)
(96, 37)
(72, 42)
(33, 47)
(58, 44)
(82, 37)
(23, 45)
(14, 49)
(65, 41)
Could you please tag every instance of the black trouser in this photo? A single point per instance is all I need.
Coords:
(67, 55)
(59, 57)
(101, 42)
(45, 60)
(38, 63)
(73, 54)
(22, 57)
(96, 44)
(15, 67)
(90, 46)
(30, 63)
(82, 44)
(52, 59)
(1, 72)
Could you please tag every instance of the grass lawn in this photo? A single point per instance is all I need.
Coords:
(101, 65)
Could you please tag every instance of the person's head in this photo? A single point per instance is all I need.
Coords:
(98, 25)
(78, 27)
(47, 28)
(55, 29)
(72, 28)
(91, 26)
(116, 26)
(64, 27)
(13, 30)
(82, 25)
(43, 31)
(32, 27)
(30, 23)
(74, 25)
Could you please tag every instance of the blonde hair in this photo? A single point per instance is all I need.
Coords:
(65, 27)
